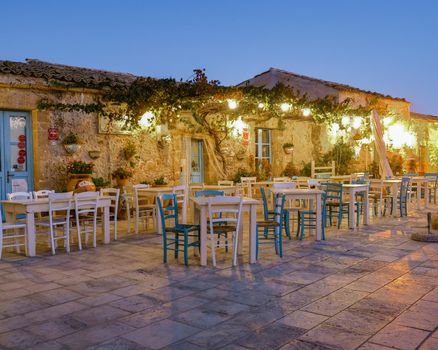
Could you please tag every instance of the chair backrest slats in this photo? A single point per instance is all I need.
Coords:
(209, 193)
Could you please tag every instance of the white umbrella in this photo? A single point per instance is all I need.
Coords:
(385, 168)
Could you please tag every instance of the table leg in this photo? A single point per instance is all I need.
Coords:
(351, 217)
(366, 207)
(240, 238)
(106, 225)
(252, 233)
(394, 199)
(31, 243)
(318, 218)
(426, 195)
(203, 222)
(157, 211)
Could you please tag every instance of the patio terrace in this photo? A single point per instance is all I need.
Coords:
(370, 289)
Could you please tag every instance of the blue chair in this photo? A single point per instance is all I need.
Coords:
(209, 193)
(335, 202)
(307, 219)
(182, 232)
(271, 228)
(269, 214)
(402, 199)
(433, 190)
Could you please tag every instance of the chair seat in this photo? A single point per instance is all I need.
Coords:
(223, 228)
(183, 228)
(268, 223)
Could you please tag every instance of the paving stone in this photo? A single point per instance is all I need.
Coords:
(330, 337)
(422, 315)
(99, 314)
(94, 335)
(50, 345)
(371, 346)
(302, 345)
(429, 344)
(335, 302)
(400, 337)
(279, 335)
(360, 322)
(56, 328)
(118, 343)
(19, 339)
(57, 296)
(160, 334)
(135, 303)
(54, 311)
(147, 317)
(302, 319)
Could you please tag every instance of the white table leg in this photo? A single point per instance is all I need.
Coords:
(318, 218)
(240, 238)
(252, 233)
(394, 199)
(366, 207)
(351, 216)
(426, 195)
(31, 243)
(106, 225)
(203, 223)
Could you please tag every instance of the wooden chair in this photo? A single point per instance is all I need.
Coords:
(5, 228)
(114, 194)
(224, 215)
(86, 214)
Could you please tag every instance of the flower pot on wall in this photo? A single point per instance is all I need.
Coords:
(85, 180)
(122, 181)
(288, 150)
(94, 154)
(72, 148)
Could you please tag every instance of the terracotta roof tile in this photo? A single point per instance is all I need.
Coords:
(92, 78)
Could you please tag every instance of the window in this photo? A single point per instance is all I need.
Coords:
(263, 144)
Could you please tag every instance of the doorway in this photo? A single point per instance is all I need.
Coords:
(196, 161)
(16, 163)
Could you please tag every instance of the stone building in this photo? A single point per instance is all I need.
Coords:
(30, 159)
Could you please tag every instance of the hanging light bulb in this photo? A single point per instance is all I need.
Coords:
(146, 119)
(232, 104)
(345, 120)
(306, 112)
(285, 107)
(357, 122)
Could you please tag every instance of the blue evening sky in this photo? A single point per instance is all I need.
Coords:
(389, 46)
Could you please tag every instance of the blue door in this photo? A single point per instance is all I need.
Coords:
(16, 166)
(197, 161)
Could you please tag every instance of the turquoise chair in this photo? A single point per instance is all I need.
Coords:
(184, 235)
(269, 231)
(433, 190)
(307, 219)
(402, 199)
(269, 214)
(209, 193)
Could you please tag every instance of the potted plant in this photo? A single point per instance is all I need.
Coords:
(100, 182)
(121, 175)
(288, 147)
(71, 143)
(160, 181)
(129, 151)
(80, 172)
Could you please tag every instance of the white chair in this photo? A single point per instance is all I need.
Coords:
(225, 183)
(42, 194)
(376, 195)
(59, 218)
(114, 194)
(17, 196)
(290, 207)
(86, 213)
(248, 183)
(181, 199)
(224, 215)
(313, 183)
(145, 209)
(16, 235)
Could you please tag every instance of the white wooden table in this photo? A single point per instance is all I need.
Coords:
(231, 190)
(353, 189)
(30, 207)
(313, 195)
(201, 215)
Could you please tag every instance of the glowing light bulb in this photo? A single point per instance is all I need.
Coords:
(306, 112)
(357, 122)
(261, 105)
(232, 104)
(146, 119)
(285, 107)
(345, 120)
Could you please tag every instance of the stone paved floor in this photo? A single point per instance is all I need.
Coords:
(369, 289)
